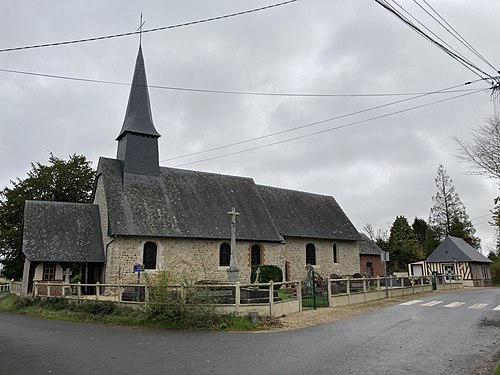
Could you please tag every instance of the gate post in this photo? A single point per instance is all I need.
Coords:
(271, 298)
(299, 294)
(329, 289)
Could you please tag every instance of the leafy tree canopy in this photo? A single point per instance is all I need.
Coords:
(403, 245)
(61, 180)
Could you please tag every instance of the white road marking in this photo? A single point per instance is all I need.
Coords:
(432, 303)
(497, 308)
(454, 304)
(478, 306)
(411, 302)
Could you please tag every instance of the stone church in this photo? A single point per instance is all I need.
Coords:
(177, 220)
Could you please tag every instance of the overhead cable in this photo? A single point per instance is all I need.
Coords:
(229, 92)
(148, 30)
(327, 130)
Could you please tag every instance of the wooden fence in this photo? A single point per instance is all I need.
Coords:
(266, 299)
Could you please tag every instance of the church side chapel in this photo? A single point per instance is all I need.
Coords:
(177, 220)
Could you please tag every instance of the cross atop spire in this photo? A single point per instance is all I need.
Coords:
(140, 28)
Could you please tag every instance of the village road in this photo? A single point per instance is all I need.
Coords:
(451, 333)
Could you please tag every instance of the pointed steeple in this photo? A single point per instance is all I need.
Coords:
(138, 138)
(138, 118)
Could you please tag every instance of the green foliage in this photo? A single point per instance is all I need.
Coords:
(403, 245)
(448, 216)
(190, 306)
(99, 307)
(63, 181)
(268, 273)
(495, 266)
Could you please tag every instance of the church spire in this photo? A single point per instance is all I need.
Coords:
(138, 118)
(138, 138)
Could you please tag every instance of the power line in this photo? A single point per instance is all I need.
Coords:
(473, 68)
(457, 36)
(327, 130)
(148, 30)
(229, 92)
(312, 124)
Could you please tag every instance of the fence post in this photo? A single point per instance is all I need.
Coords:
(48, 289)
(271, 298)
(97, 291)
(79, 291)
(237, 294)
(146, 293)
(36, 288)
(299, 295)
(329, 290)
(378, 286)
(348, 290)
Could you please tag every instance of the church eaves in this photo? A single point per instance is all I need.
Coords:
(138, 117)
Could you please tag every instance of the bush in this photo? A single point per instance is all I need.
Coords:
(57, 303)
(267, 273)
(99, 308)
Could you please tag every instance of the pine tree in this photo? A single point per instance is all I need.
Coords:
(403, 245)
(448, 216)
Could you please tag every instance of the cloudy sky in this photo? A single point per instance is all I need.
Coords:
(378, 164)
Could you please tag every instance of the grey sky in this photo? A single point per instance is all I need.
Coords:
(376, 170)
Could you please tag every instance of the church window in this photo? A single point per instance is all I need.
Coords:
(49, 271)
(224, 255)
(310, 254)
(256, 255)
(335, 258)
(149, 256)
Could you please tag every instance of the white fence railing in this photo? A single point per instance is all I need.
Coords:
(267, 299)
(350, 290)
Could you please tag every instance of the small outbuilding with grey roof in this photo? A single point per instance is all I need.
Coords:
(454, 256)
(56, 237)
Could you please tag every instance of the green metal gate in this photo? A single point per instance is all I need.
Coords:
(314, 290)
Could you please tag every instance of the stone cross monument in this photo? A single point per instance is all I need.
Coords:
(233, 273)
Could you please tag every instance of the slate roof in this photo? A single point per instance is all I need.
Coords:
(191, 204)
(183, 203)
(368, 247)
(456, 249)
(138, 117)
(301, 214)
(62, 232)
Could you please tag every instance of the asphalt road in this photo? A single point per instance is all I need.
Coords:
(444, 337)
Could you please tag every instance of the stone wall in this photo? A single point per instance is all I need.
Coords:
(347, 257)
(195, 260)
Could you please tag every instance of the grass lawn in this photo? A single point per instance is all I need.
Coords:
(159, 316)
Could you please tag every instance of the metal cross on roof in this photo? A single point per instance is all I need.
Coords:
(140, 29)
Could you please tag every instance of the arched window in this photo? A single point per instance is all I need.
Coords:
(149, 256)
(255, 255)
(224, 254)
(310, 254)
(335, 259)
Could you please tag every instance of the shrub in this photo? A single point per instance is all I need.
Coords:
(99, 308)
(268, 273)
(57, 303)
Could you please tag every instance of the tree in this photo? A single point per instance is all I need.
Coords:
(60, 180)
(483, 152)
(403, 245)
(448, 216)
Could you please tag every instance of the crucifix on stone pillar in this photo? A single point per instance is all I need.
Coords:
(233, 274)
